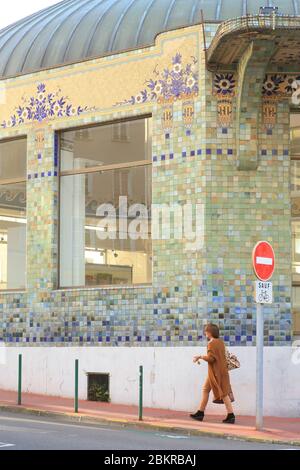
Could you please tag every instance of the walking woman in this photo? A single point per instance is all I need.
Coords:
(218, 377)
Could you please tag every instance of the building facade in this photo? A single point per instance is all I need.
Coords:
(136, 104)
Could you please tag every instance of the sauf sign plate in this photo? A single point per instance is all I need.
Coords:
(263, 292)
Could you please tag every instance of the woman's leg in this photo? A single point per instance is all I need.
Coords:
(205, 395)
(228, 404)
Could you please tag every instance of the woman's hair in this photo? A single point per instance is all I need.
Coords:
(213, 330)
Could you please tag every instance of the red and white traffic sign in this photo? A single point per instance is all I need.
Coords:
(263, 259)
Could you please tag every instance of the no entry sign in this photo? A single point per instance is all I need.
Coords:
(263, 259)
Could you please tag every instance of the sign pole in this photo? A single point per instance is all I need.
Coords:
(259, 366)
(76, 384)
(263, 261)
(20, 380)
(141, 394)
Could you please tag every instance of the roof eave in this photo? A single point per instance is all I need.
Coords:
(234, 36)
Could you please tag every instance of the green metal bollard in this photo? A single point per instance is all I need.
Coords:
(76, 385)
(141, 394)
(20, 380)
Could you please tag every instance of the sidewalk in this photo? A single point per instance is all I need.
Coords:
(276, 430)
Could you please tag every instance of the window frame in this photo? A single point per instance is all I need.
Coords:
(100, 170)
(293, 158)
(295, 284)
(7, 182)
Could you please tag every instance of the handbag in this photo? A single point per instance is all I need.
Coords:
(232, 361)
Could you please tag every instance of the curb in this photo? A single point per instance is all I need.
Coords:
(86, 419)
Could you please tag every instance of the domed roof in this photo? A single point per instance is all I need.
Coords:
(75, 30)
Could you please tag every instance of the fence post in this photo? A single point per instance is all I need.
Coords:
(76, 385)
(141, 394)
(20, 380)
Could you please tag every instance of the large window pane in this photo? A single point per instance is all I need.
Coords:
(13, 159)
(295, 174)
(105, 145)
(87, 256)
(296, 309)
(295, 195)
(295, 204)
(296, 249)
(13, 236)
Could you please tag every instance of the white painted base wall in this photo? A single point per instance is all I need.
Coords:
(171, 380)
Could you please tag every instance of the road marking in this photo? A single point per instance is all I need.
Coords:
(265, 261)
(3, 444)
(61, 424)
(172, 437)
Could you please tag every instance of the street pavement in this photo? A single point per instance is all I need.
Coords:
(275, 430)
(33, 433)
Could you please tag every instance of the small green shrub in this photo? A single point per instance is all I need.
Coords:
(98, 393)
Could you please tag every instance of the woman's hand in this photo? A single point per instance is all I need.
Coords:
(197, 358)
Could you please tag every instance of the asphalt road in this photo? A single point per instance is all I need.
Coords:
(19, 432)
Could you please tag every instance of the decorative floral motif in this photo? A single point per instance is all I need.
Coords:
(12, 198)
(271, 86)
(188, 113)
(167, 117)
(40, 140)
(176, 82)
(291, 86)
(279, 85)
(275, 88)
(269, 113)
(224, 84)
(224, 110)
(43, 106)
(224, 88)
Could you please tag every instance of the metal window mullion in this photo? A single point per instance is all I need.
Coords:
(120, 166)
(12, 181)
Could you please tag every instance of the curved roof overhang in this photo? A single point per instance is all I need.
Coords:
(233, 37)
(252, 47)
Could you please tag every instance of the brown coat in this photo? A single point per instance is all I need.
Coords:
(217, 370)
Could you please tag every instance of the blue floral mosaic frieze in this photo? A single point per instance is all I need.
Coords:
(279, 85)
(224, 84)
(179, 81)
(43, 106)
(276, 85)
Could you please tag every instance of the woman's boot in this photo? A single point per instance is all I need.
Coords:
(199, 415)
(230, 419)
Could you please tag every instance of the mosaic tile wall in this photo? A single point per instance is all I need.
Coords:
(193, 160)
(244, 207)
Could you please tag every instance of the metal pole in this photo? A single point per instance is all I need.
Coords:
(204, 37)
(259, 366)
(76, 385)
(20, 380)
(141, 394)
